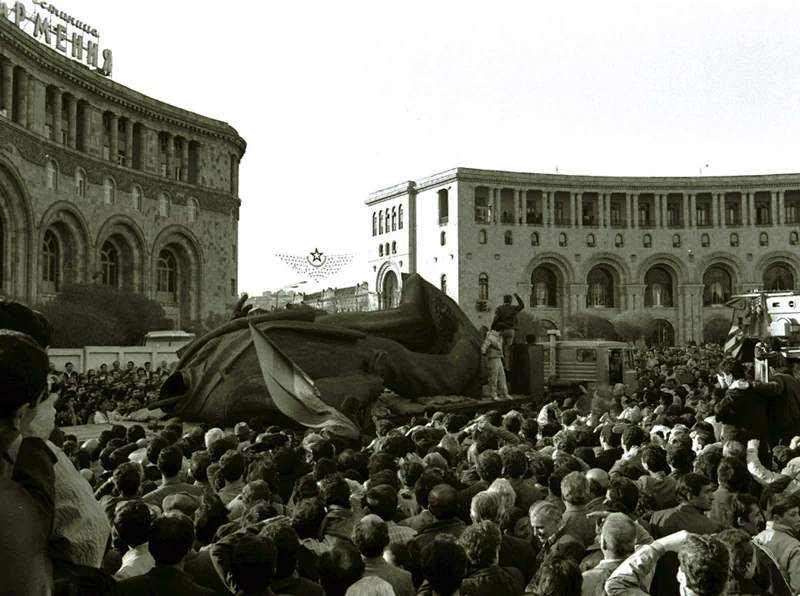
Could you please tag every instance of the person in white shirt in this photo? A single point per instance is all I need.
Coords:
(132, 523)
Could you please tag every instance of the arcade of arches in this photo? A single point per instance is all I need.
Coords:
(120, 259)
(682, 309)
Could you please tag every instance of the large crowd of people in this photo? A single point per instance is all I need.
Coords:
(685, 484)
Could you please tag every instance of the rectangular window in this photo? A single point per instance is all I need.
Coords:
(558, 214)
(106, 152)
(483, 212)
(763, 215)
(233, 286)
(63, 137)
(233, 252)
(732, 214)
(644, 215)
(673, 215)
(164, 170)
(616, 215)
(702, 215)
(791, 213)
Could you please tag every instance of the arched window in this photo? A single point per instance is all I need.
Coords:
(400, 217)
(562, 239)
(647, 241)
(443, 283)
(481, 236)
(734, 239)
(380, 250)
(483, 287)
(442, 238)
(380, 223)
(717, 285)
(763, 239)
(535, 239)
(544, 290)
(109, 261)
(137, 198)
(374, 224)
(676, 241)
(778, 277)
(601, 288)
(386, 249)
(705, 241)
(163, 205)
(191, 207)
(50, 262)
(166, 272)
(590, 240)
(108, 191)
(658, 287)
(80, 183)
(509, 239)
(394, 247)
(619, 241)
(52, 175)
(394, 219)
(387, 222)
(793, 239)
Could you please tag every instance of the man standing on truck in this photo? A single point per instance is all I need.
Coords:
(493, 349)
(505, 321)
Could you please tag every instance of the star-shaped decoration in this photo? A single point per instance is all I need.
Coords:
(316, 255)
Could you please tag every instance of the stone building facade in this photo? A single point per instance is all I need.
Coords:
(676, 248)
(99, 182)
(357, 298)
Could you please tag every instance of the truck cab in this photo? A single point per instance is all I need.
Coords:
(594, 364)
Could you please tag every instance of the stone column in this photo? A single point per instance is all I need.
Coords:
(751, 208)
(170, 155)
(22, 96)
(628, 221)
(579, 208)
(692, 210)
(87, 128)
(31, 96)
(573, 200)
(781, 208)
(8, 88)
(185, 160)
(495, 199)
(57, 103)
(113, 138)
(607, 200)
(680, 328)
(601, 211)
(144, 139)
(635, 214)
(664, 205)
(743, 209)
(657, 209)
(128, 163)
(773, 208)
(517, 207)
(714, 210)
(72, 121)
(545, 208)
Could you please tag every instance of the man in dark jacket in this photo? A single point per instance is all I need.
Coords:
(783, 396)
(481, 542)
(171, 538)
(27, 486)
(505, 321)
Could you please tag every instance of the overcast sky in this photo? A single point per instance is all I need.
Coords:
(339, 99)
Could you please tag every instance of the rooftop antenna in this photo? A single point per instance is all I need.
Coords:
(556, 169)
(701, 169)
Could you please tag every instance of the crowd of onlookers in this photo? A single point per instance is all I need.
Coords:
(654, 489)
(105, 395)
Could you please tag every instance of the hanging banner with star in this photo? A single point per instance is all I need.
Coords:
(316, 265)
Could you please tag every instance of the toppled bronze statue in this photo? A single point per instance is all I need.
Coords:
(424, 347)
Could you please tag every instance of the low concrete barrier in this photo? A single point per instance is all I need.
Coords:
(94, 356)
